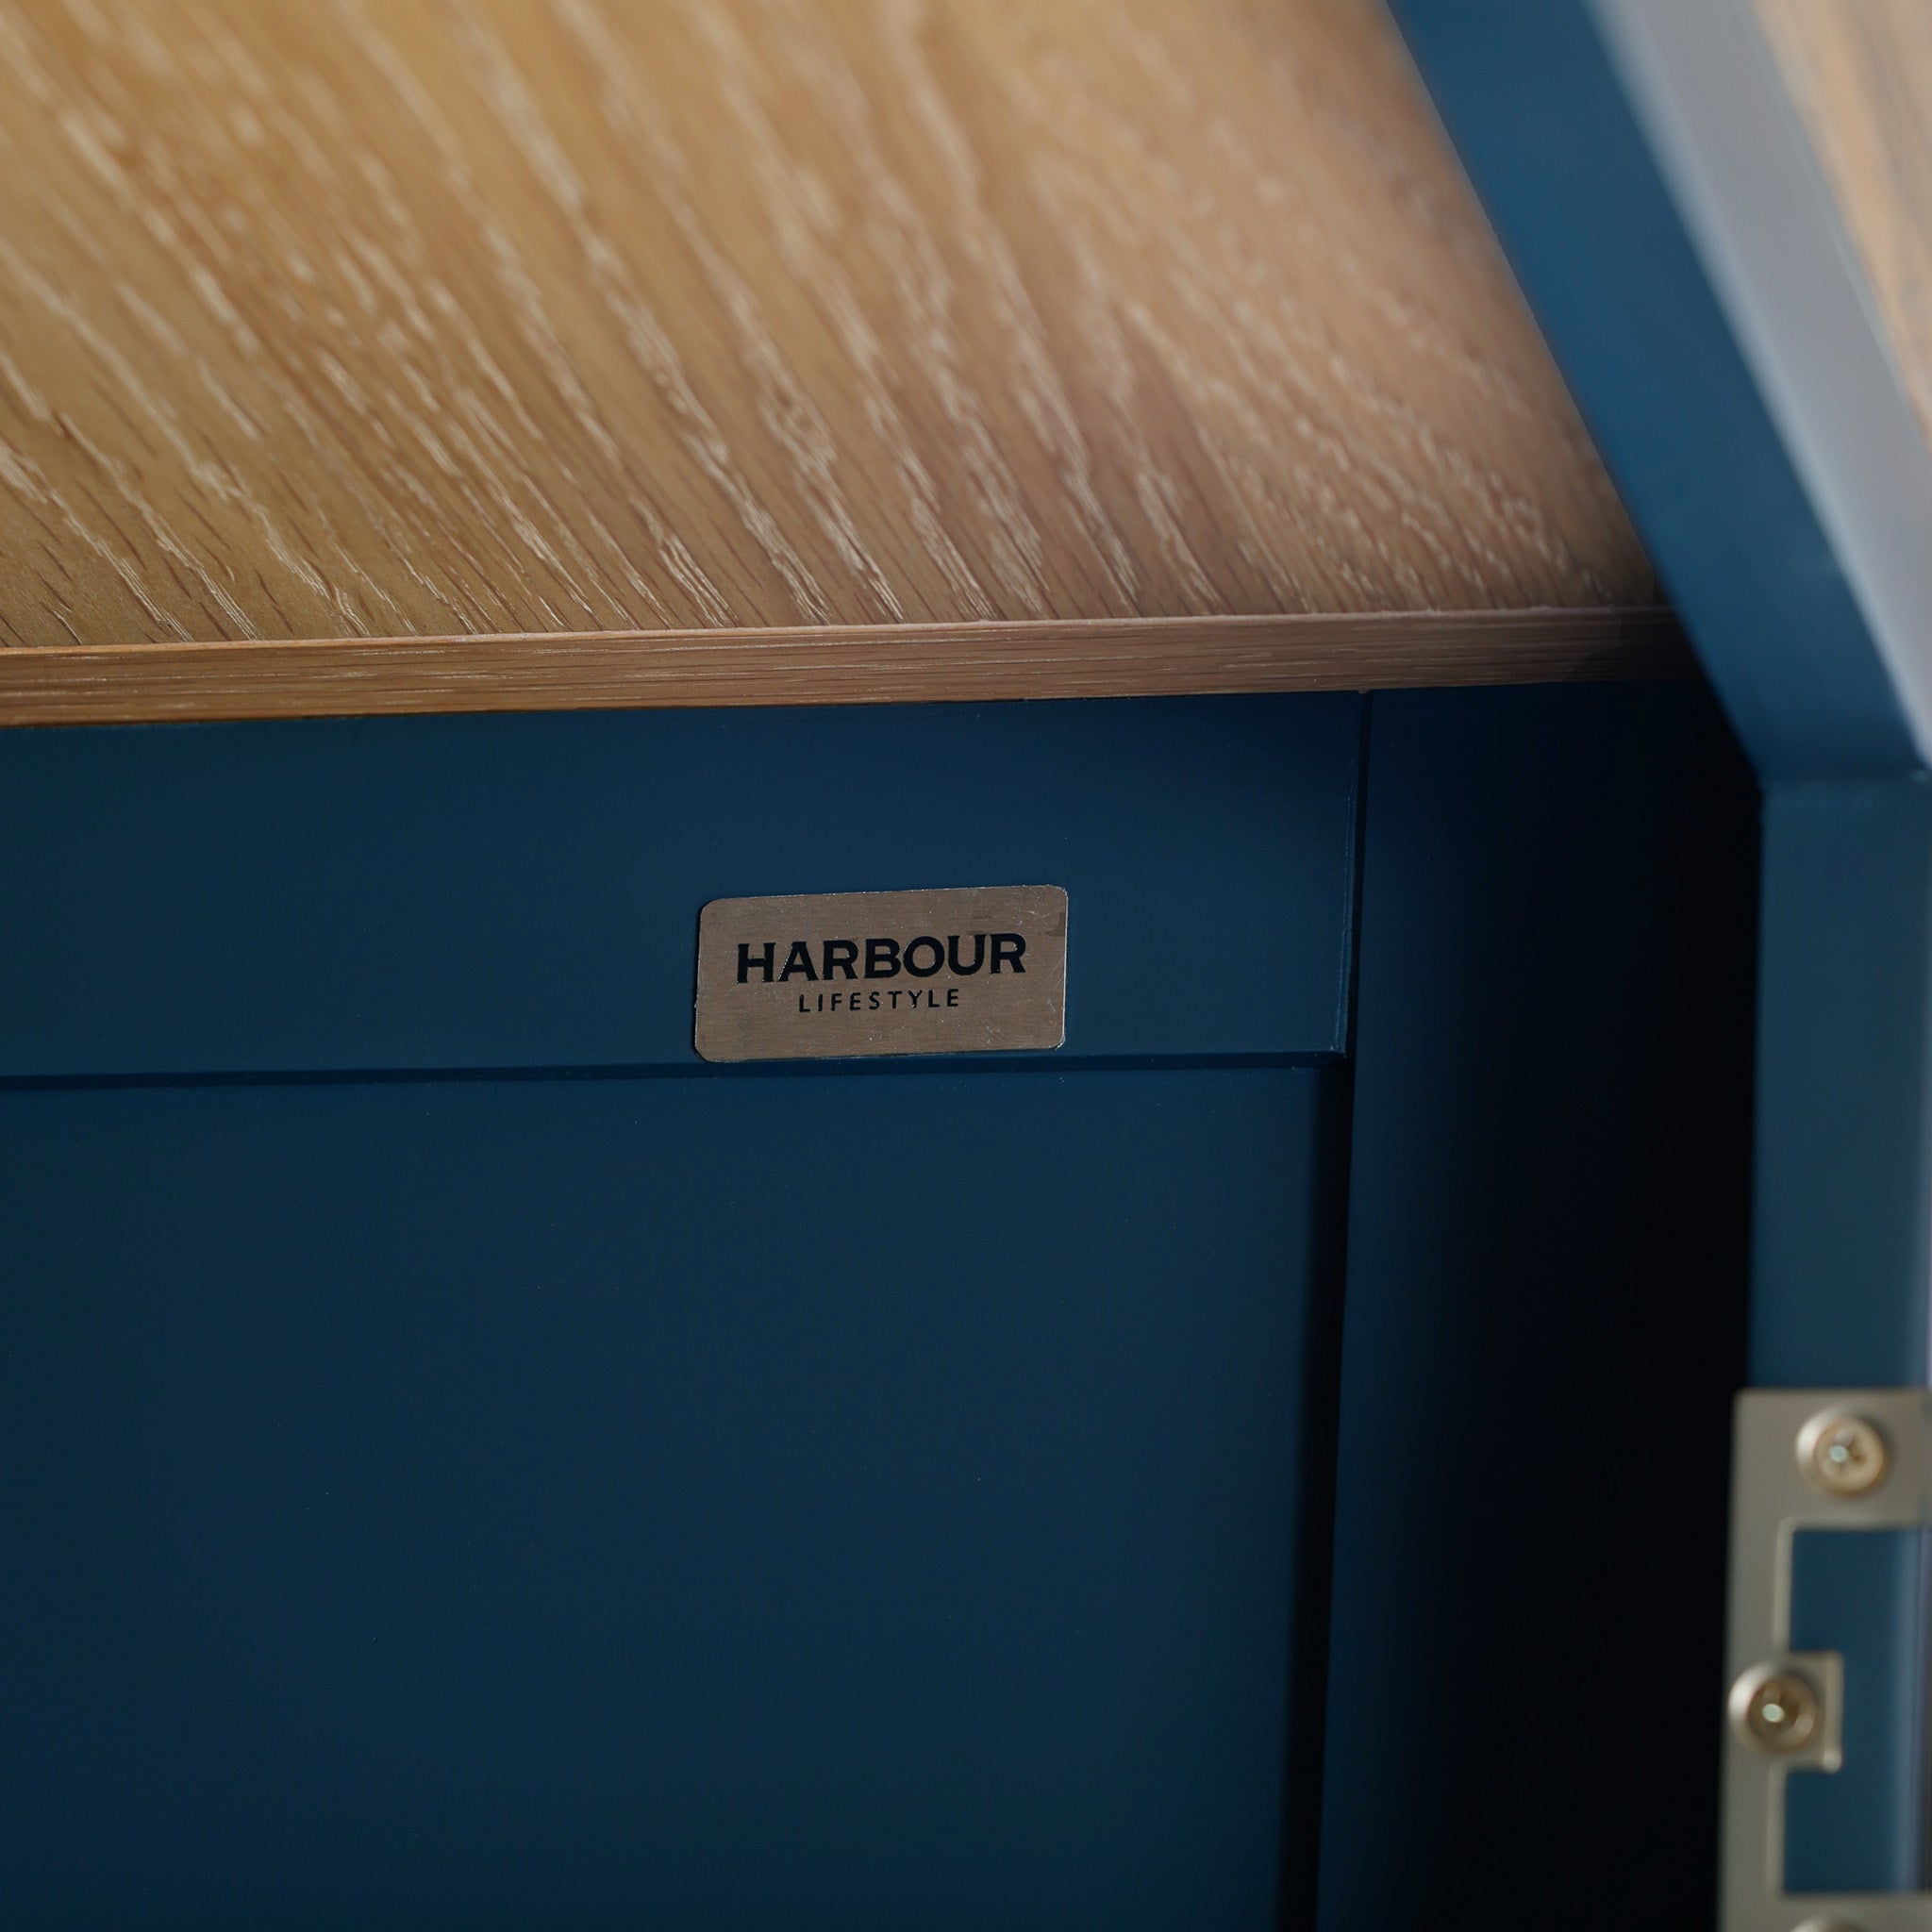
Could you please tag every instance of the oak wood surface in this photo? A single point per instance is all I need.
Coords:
(1140, 656)
(1860, 73)
(353, 321)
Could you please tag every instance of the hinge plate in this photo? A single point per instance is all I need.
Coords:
(1809, 1459)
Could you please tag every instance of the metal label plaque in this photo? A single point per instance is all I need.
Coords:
(977, 969)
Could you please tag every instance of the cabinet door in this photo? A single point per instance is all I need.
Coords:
(469, 1462)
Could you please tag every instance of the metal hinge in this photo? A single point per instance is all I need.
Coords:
(1818, 1459)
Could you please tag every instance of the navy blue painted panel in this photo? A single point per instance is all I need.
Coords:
(1839, 1273)
(1841, 1253)
(1858, 1828)
(524, 891)
(1545, 1312)
(1844, 1143)
(1536, 112)
(1839, 1292)
(777, 1503)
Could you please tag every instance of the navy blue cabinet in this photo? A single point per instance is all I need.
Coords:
(465, 1461)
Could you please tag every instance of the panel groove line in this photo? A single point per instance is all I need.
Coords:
(1030, 1066)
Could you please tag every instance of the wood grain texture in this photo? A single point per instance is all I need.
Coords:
(1860, 73)
(348, 320)
(1143, 657)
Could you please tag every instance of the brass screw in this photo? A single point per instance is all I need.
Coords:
(1842, 1455)
(1781, 1713)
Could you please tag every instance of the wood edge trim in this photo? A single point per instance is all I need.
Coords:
(1159, 657)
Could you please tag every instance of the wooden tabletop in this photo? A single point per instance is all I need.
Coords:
(1860, 73)
(585, 352)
